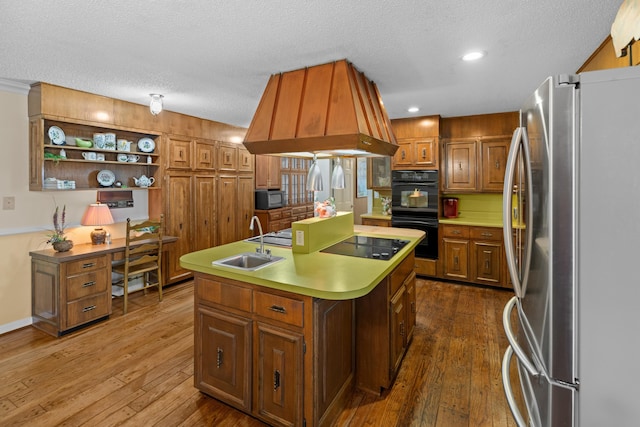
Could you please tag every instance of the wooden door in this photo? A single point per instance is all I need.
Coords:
(426, 153)
(487, 262)
(461, 166)
(267, 172)
(404, 155)
(278, 377)
(222, 358)
(178, 152)
(205, 158)
(494, 159)
(178, 221)
(205, 212)
(245, 206)
(398, 339)
(456, 259)
(410, 285)
(227, 213)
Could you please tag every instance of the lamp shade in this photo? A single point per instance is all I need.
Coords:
(97, 215)
(155, 106)
(314, 178)
(337, 177)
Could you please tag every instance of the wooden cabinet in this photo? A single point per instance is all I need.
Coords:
(267, 172)
(416, 153)
(64, 167)
(385, 319)
(195, 190)
(67, 293)
(474, 254)
(476, 164)
(379, 173)
(283, 358)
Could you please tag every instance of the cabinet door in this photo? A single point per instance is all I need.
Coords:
(426, 153)
(267, 172)
(245, 160)
(227, 201)
(404, 155)
(227, 157)
(205, 212)
(456, 259)
(205, 155)
(487, 261)
(245, 206)
(178, 221)
(494, 159)
(178, 152)
(410, 286)
(379, 173)
(461, 166)
(222, 359)
(398, 341)
(278, 377)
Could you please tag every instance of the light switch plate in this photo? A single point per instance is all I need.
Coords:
(299, 238)
(8, 203)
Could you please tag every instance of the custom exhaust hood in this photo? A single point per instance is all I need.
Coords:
(331, 110)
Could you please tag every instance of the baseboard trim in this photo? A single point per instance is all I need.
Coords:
(8, 327)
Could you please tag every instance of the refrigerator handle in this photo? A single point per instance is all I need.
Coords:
(506, 384)
(507, 208)
(506, 322)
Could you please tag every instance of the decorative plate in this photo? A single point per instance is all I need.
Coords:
(57, 135)
(106, 178)
(146, 145)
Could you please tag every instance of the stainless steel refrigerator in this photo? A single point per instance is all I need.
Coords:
(572, 191)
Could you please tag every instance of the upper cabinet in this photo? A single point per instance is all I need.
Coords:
(605, 57)
(267, 172)
(379, 173)
(416, 153)
(418, 143)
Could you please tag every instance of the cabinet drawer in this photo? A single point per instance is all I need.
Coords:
(87, 309)
(400, 273)
(228, 295)
(90, 283)
(486, 233)
(86, 264)
(286, 213)
(299, 210)
(458, 231)
(275, 307)
(275, 215)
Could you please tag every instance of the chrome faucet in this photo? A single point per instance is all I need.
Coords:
(259, 250)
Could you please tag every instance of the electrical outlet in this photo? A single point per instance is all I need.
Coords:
(8, 203)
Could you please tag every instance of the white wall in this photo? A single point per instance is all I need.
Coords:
(25, 228)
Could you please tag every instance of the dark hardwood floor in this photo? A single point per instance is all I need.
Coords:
(137, 370)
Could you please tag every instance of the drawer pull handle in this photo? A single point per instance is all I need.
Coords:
(278, 309)
(456, 232)
(86, 285)
(413, 307)
(91, 307)
(88, 265)
(219, 357)
(401, 329)
(487, 234)
(276, 380)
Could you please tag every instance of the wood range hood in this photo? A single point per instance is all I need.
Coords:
(330, 110)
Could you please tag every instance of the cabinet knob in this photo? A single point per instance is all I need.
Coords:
(276, 380)
(424, 153)
(403, 155)
(497, 165)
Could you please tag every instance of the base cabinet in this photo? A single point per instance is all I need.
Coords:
(385, 319)
(255, 349)
(68, 294)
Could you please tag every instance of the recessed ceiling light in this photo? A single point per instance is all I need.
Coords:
(473, 56)
(413, 109)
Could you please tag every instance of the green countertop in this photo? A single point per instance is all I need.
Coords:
(476, 220)
(376, 216)
(316, 274)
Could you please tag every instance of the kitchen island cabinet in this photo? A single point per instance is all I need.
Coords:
(279, 343)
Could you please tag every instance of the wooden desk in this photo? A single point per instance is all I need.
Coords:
(71, 289)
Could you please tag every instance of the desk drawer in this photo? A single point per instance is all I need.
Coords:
(486, 233)
(82, 285)
(275, 307)
(86, 264)
(87, 309)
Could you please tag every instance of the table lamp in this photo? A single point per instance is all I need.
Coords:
(97, 215)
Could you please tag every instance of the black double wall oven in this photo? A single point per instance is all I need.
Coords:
(414, 204)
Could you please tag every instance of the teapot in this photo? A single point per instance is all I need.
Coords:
(143, 181)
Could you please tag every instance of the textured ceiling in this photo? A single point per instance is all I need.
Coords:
(212, 58)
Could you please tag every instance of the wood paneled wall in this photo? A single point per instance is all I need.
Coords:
(479, 125)
(416, 127)
(605, 57)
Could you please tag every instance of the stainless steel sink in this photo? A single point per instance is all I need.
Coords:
(248, 261)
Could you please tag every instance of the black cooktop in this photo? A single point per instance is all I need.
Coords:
(367, 247)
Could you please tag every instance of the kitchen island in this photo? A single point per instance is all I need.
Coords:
(287, 343)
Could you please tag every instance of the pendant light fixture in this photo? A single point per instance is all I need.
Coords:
(314, 177)
(337, 176)
(155, 106)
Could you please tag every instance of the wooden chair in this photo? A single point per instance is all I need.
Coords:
(143, 255)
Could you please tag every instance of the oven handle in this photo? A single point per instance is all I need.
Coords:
(414, 184)
(422, 223)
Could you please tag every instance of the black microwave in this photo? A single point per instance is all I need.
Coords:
(270, 199)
